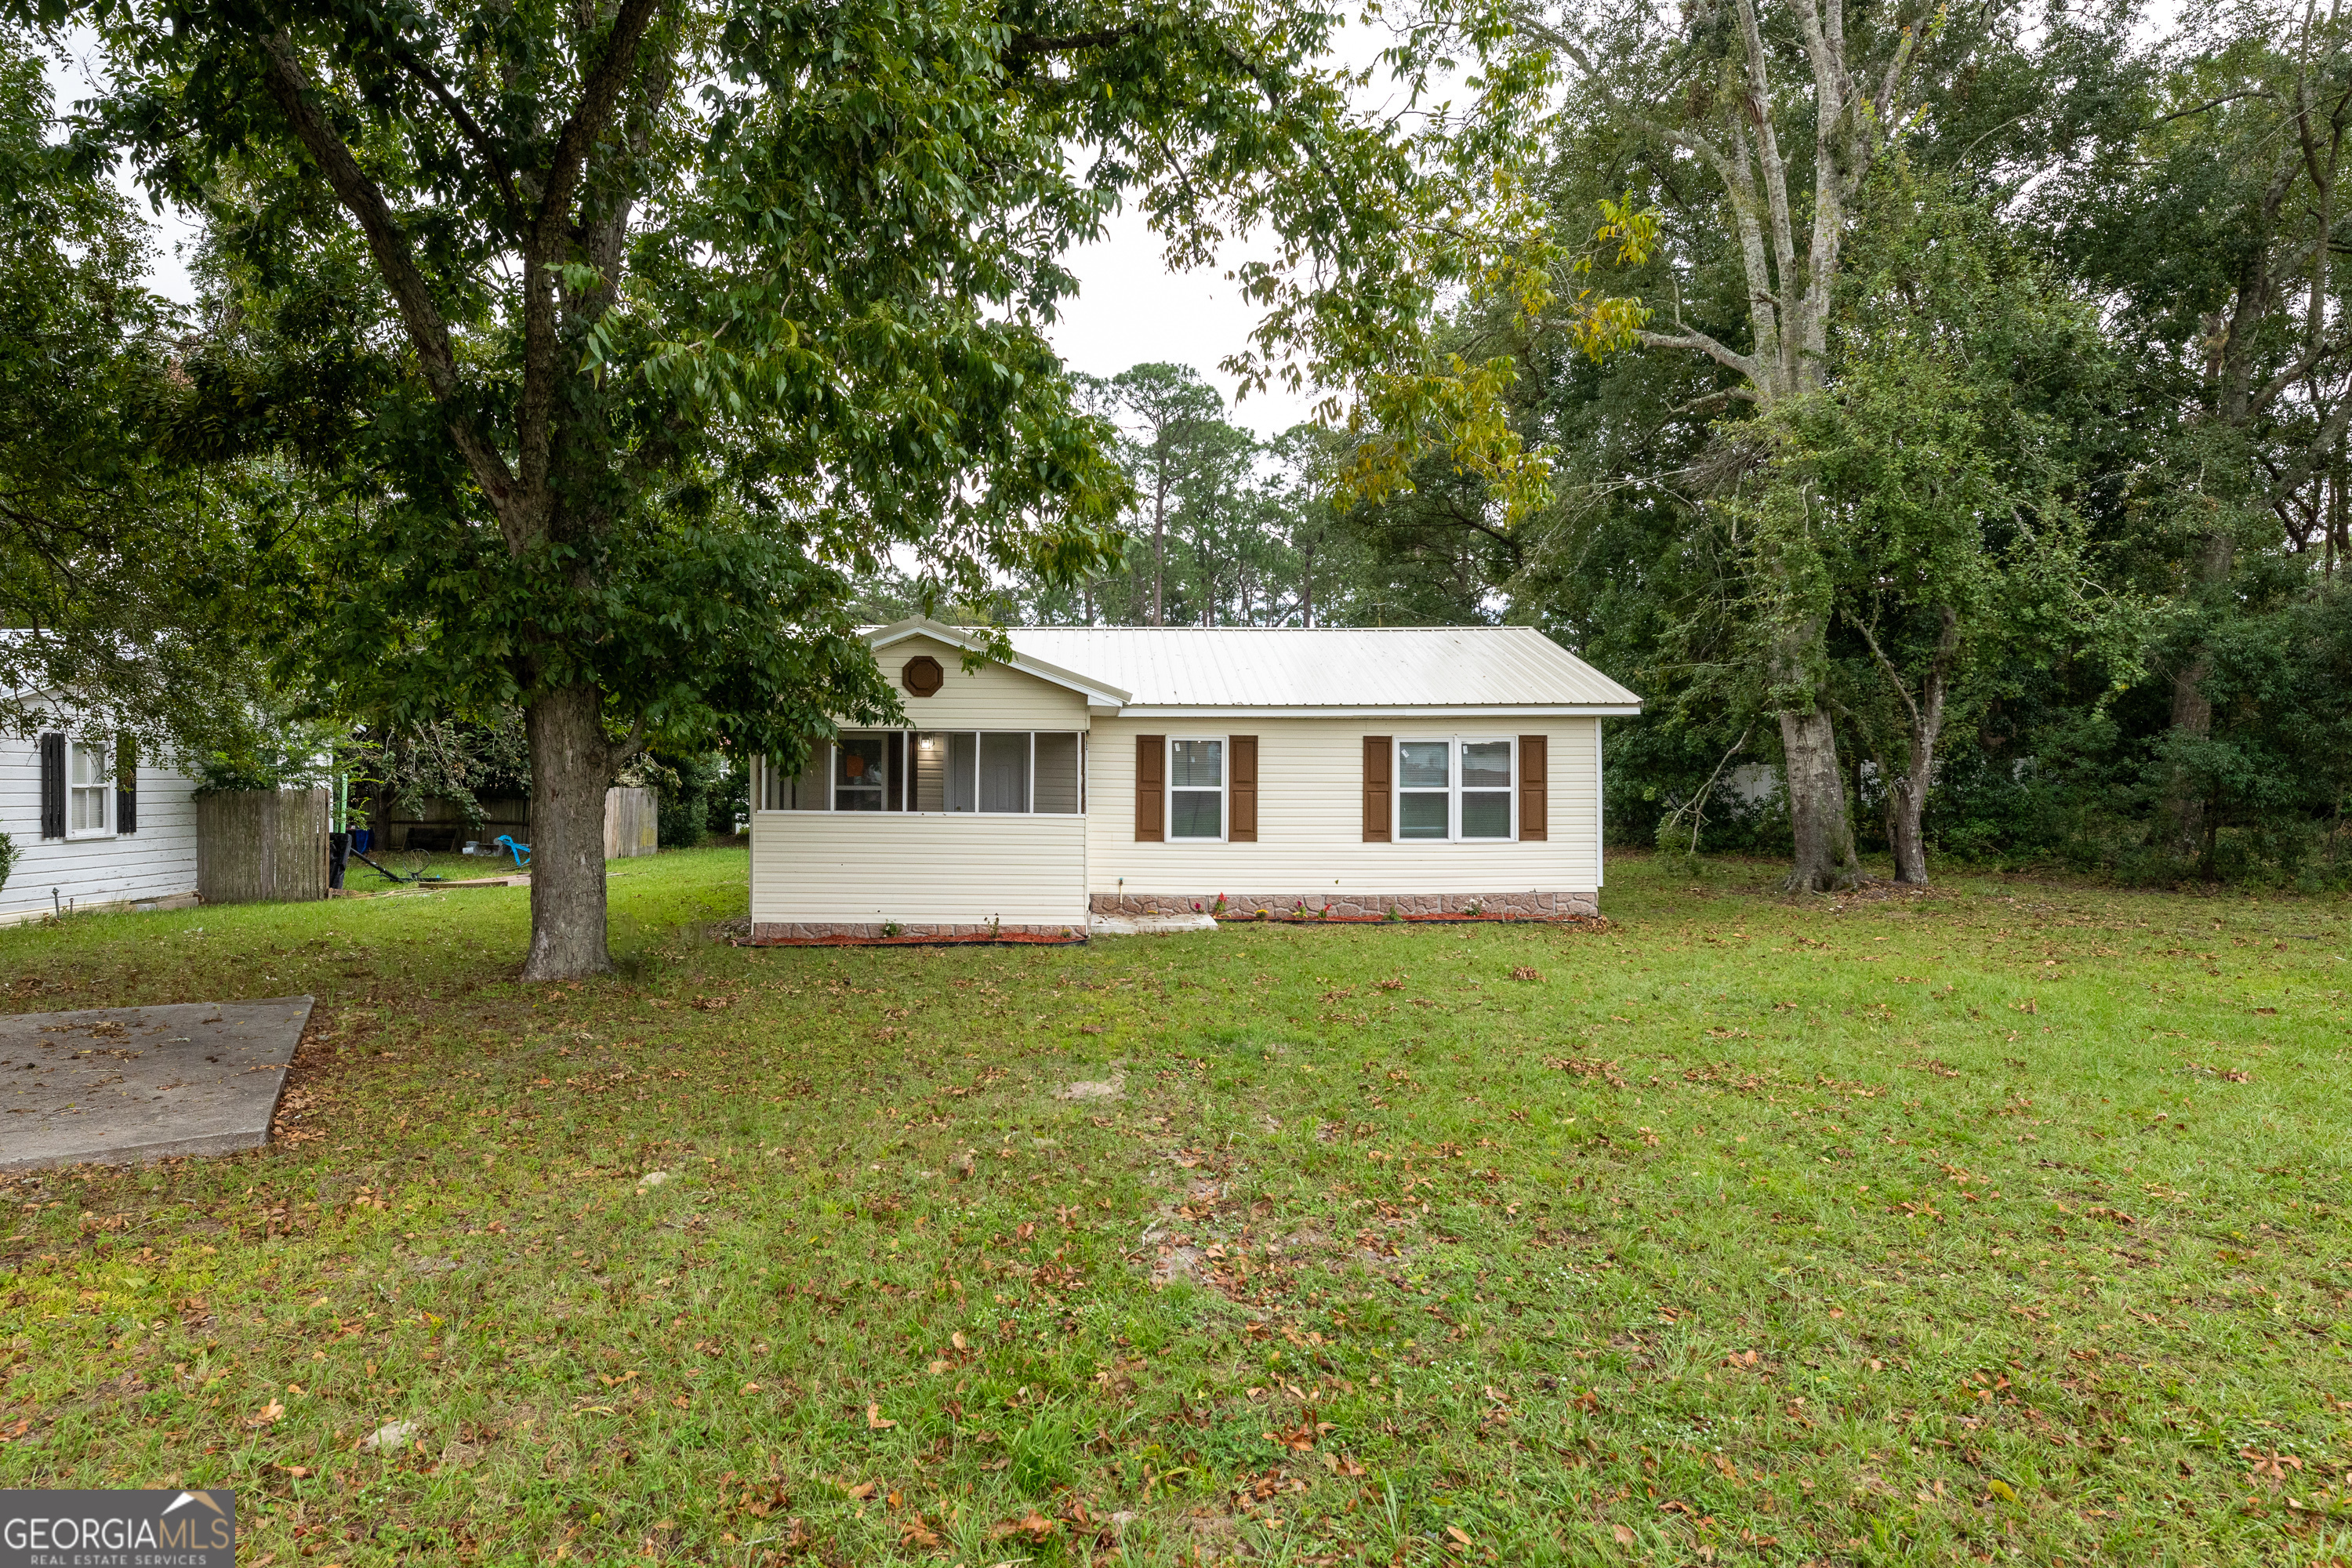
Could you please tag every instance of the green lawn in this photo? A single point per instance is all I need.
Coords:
(2008, 1222)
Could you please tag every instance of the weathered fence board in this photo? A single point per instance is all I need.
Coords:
(262, 845)
(632, 823)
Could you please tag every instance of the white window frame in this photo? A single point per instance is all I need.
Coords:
(104, 787)
(1224, 791)
(1454, 791)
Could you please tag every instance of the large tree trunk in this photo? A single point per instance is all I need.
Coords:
(571, 767)
(2192, 710)
(1906, 799)
(1817, 811)
(1906, 792)
(2192, 715)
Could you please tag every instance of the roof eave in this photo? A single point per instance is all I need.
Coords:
(1097, 693)
(1375, 711)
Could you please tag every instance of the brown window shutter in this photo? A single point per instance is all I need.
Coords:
(1151, 789)
(1378, 752)
(1241, 826)
(1535, 788)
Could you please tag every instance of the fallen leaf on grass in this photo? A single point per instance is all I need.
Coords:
(2270, 1467)
(1523, 972)
(1033, 1527)
(875, 1420)
(273, 1411)
(915, 1533)
(1300, 1440)
(1624, 1536)
(2002, 1489)
(1458, 1534)
(864, 1490)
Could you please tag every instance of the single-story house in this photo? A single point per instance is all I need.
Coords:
(94, 827)
(1124, 771)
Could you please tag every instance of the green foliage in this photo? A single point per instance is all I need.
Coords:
(693, 790)
(397, 768)
(279, 756)
(111, 567)
(7, 858)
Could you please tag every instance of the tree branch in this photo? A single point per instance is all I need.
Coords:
(1031, 46)
(359, 196)
(551, 231)
(1692, 338)
(468, 126)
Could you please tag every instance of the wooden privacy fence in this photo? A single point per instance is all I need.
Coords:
(632, 823)
(262, 845)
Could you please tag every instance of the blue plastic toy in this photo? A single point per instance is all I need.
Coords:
(521, 852)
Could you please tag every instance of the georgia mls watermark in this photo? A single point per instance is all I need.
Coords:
(118, 1530)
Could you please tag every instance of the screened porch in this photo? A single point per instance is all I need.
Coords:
(985, 773)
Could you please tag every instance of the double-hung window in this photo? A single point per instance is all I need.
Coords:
(1196, 789)
(1454, 789)
(89, 789)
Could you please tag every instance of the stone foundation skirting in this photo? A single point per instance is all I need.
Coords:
(893, 930)
(1356, 906)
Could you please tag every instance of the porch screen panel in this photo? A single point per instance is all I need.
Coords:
(804, 790)
(861, 770)
(930, 770)
(1004, 771)
(964, 770)
(1057, 783)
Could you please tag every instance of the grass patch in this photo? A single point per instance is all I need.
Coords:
(2003, 1221)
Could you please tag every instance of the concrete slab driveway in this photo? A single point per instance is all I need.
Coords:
(116, 1085)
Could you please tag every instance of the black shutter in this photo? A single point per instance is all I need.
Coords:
(126, 785)
(52, 785)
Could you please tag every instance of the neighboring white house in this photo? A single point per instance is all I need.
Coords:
(1122, 770)
(93, 827)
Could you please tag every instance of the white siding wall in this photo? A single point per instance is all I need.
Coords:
(933, 868)
(1310, 816)
(159, 861)
(918, 868)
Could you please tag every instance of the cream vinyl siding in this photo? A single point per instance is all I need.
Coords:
(918, 868)
(992, 698)
(159, 861)
(1311, 814)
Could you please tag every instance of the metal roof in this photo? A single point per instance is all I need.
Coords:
(1334, 669)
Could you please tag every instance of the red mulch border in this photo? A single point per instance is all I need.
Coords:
(1588, 922)
(1007, 939)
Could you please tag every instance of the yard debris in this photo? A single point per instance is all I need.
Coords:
(1032, 1527)
(652, 1179)
(390, 1434)
(1110, 1088)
